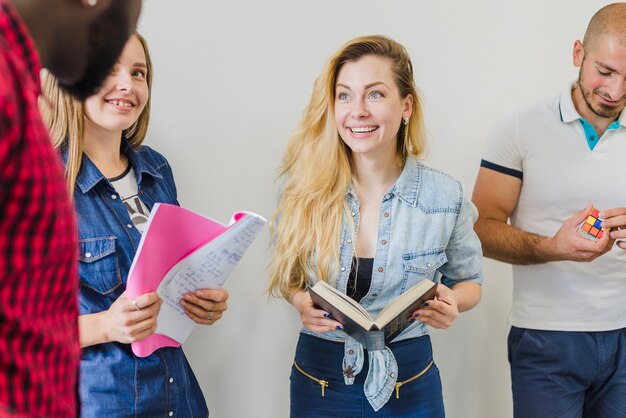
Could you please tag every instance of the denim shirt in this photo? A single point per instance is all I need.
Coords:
(113, 381)
(425, 232)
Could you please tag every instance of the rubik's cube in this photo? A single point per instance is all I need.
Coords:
(592, 227)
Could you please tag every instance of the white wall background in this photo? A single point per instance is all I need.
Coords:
(231, 81)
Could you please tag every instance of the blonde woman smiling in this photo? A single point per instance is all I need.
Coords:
(115, 181)
(360, 211)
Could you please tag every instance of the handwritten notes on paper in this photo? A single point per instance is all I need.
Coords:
(181, 251)
(206, 268)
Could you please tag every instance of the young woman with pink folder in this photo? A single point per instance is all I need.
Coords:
(115, 181)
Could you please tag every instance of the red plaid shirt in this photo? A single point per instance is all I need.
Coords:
(39, 351)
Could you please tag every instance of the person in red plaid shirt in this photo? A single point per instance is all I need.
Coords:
(78, 41)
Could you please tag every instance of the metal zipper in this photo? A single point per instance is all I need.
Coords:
(323, 383)
(399, 384)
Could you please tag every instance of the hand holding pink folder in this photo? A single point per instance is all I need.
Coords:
(181, 245)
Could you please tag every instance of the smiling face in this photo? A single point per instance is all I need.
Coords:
(602, 78)
(124, 94)
(369, 108)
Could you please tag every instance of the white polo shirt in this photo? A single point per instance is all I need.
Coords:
(546, 146)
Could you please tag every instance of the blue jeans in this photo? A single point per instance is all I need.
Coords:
(322, 360)
(568, 374)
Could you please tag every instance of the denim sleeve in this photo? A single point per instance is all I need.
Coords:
(464, 252)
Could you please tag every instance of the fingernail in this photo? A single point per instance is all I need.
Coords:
(327, 315)
(426, 303)
(339, 327)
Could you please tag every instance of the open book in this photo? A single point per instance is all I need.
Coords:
(181, 251)
(392, 320)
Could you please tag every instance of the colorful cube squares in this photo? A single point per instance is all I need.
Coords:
(592, 227)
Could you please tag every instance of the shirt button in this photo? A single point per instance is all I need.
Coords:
(129, 226)
(171, 413)
(171, 380)
(113, 196)
(392, 375)
(353, 213)
(384, 242)
(350, 352)
(87, 255)
(428, 265)
(349, 241)
(380, 269)
(343, 268)
(386, 214)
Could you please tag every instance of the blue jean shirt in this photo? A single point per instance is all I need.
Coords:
(425, 232)
(113, 381)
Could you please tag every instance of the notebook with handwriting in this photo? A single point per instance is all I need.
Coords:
(181, 251)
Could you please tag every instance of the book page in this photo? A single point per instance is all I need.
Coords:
(353, 304)
(206, 268)
(341, 302)
(399, 304)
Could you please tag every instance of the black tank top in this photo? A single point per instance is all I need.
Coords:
(360, 278)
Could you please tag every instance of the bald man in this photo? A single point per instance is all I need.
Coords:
(544, 169)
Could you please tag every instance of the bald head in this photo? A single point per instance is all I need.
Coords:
(609, 20)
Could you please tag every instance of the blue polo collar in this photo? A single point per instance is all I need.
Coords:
(569, 114)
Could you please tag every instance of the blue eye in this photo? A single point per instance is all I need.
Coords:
(342, 96)
(376, 95)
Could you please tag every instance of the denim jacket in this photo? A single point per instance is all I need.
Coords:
(113, 381)
(425, 232)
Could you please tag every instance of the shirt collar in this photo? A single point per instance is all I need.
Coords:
(406, 187)
(566, 106)
(408, 184)
(570, 114)
(89, 175)
(14, 37)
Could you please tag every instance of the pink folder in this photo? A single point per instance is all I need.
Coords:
(172, 234)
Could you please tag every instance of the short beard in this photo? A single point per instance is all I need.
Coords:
(607, 112)
(107, 37)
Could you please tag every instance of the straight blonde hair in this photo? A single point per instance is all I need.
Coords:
(65, 118)
(317, 171)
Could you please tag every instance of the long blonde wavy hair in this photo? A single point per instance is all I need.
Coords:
(317, 171)
(65, 118)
